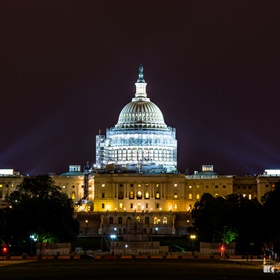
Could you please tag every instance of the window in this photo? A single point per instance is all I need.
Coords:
(147, 220)
(175, 195)
(131, 205)
(103, 205)
(190, 195)
(197, 186)
(103, 195)
(131, 185)
(147, 205)
(250, 196)
(197, 196)
(164, 221)
(119, 220)
(147, 195)
(131, 195)
(175, 205)
(121, 205)
(73, 196)
(157, 195)
(157, 205)
(139, 195)
(111, 220)
(155, 220)
(216, 186)
(120, 195)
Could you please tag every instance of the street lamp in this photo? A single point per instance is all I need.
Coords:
(113, 237)
(86, 221)
(193, 237)
(33, 238)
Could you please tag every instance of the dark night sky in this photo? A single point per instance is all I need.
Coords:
(67, 68)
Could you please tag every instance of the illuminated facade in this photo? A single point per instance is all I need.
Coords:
(162, 202)
(140, 140)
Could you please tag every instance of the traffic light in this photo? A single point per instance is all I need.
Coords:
(5, 250)
(222, 249)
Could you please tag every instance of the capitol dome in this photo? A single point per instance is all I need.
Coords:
(140, 137)
(141, 114)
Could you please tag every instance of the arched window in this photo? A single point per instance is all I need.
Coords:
(139, 195)
(73, 195)
(138, 219)
(147, 221)
(157, 195)
(147, 195)
(111, 220)
(120, 195)
(155, 220)
(128, 220)
(131, 195)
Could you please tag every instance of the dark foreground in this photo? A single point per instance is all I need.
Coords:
(134, 270)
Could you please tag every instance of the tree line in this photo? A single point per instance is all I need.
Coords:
(38, 211)
(253, 225)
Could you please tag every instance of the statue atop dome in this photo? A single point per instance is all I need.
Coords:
(141, 75)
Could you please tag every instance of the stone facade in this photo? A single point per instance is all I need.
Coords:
(162, 202)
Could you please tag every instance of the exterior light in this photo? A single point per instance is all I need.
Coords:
(192, 236)
(33, 237)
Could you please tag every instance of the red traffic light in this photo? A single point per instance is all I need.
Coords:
(222, 249)
(5, 250)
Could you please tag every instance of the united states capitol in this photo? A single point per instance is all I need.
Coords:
(134, 177)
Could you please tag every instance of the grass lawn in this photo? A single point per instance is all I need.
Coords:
(133, 269)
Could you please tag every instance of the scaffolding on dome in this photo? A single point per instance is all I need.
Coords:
(140, 141)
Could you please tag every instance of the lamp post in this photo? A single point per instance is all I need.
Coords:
(113, 237)
(193, 237)
(86, 221)
(32, 239)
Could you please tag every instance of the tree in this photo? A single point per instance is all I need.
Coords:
(228, 219)
(269, 220)
(207, 218)
(39, 208)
